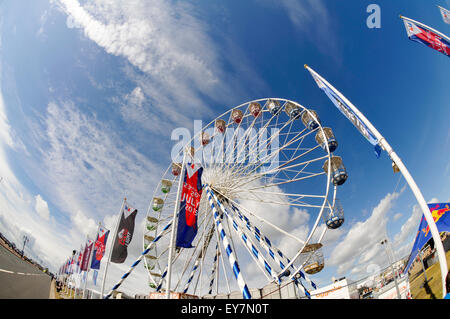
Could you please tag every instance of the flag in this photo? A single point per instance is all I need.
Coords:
(441, 216)
(79, 259)
(99, 247)
(421, 33)
(343, 105)
(445, 15)
(190, 201)
(87, 255)
(124, 234)
(72, 264)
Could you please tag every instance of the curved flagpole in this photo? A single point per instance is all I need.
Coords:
(425, 26)
(412, 184)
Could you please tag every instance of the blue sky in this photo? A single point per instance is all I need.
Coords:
(89, 102)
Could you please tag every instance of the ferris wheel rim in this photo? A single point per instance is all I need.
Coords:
(328, 155)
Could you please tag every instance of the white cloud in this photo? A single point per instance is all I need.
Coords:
(360, 245)
(397, 216)
(41, 207)
(148, 36)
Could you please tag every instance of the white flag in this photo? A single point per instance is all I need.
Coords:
(445, 15)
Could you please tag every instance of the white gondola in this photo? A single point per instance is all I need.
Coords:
(335, 217)
(237, 116)
(329, 139)
(255, 109)
(338, 172)
(221, 125)
(315, 260)
(165, 186)
(158, 203)
(273, 106)
(309, 121)
(205, 138)
(176, 169)
(293, 110)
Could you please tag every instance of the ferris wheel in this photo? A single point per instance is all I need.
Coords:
(269, 186)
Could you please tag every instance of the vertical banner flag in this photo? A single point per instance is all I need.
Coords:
(99, 247)
(190, 201)
(124, 234)
(343, 105)
(87, 255)
(80, 259)
(445, 14)
(421, 33)
(441, 216)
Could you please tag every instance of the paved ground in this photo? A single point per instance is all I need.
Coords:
(20, 279)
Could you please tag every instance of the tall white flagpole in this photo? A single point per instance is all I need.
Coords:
(112, 246)
(174, 226)
(412, 184)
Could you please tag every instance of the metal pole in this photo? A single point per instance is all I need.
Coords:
(174, 226)
(90, 261)
(112, 246)
(423, 266)
(412, 184)
(385, 242)
(25, 240)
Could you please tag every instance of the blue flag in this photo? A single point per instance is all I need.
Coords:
(99, 247)
(348, 112)
(190, 201)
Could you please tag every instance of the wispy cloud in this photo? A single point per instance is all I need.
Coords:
(359, 246)
(312, 20)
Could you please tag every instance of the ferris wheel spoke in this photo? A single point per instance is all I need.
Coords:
(243, 147)
(248, 178)
(262, 220)
(235, 163)
(266, 157)
(267, 244)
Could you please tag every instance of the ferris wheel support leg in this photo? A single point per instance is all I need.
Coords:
(267, 245)
(231, 258)
(264, 240)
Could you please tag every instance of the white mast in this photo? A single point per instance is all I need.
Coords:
(174, 226)
(112, 246)
(412, 184)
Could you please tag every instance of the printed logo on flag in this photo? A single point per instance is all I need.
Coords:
(124, 237)
(437, 212)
